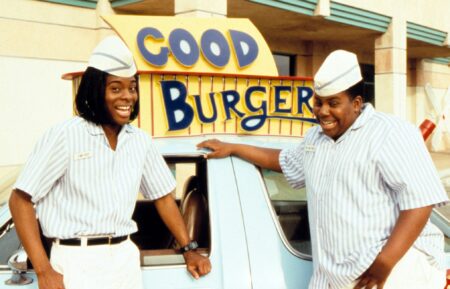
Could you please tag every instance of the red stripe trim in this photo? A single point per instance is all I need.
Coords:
(71, 75)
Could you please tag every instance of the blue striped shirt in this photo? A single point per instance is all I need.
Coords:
(82, 187)
(356, 187)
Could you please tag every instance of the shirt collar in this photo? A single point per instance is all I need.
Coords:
(367, 112)
(96, 129)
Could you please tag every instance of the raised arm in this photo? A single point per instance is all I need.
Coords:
(24, 217)
(262, 157)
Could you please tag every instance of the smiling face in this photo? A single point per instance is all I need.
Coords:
(336, 113)
(120, 98)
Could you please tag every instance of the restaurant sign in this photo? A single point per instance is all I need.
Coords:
(211, 76)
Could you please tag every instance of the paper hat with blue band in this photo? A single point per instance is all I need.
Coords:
(112, 56)
(338, 72)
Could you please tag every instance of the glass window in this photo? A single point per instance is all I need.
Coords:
(291, 210)
(156, 243)
(9, 243)
(368, 73)
(285, 64)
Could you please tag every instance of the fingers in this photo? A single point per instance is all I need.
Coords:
(204, 268)
(193, 271)
(199, 268)
(211, 155)
(207, 143)
(365, 282)
(218, 149)
(361, 283)
(372, 285)
(202, 144)
(380, 285)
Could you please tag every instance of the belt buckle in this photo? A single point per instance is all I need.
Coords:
(109, 240)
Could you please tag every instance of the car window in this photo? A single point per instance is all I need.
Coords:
(9, 243)
(291, 210)
(156, 243)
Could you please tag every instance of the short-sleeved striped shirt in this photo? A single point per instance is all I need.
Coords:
(356, 187)
(82, 187)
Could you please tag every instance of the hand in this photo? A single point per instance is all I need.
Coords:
(197, 264)
(376, 275)
(219, 149)
(50, 279)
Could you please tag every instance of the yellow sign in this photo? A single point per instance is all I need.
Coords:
(190, 104)
(179, 44)
(211, 76)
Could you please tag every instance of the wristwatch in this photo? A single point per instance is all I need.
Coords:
(192, 245)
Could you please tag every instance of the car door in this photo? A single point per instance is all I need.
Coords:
(276, 227)
(227, 248)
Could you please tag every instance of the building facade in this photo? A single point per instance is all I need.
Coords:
(403, 46)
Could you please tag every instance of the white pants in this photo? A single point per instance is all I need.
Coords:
(98, 267)
(413, 271)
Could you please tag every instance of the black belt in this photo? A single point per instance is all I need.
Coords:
(94, 241)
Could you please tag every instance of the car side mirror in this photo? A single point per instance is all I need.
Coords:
(18, 265)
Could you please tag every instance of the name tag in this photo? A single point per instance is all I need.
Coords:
(82, 156)
(310, 148)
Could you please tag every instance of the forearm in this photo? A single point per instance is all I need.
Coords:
(170, 214)
(410, 224)
(262, 157)
(24, 217)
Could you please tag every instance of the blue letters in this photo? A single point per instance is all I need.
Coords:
(179, 113)
(230, 98)
(215, 48)
(254, 122)
(184, 47)
(201, 114)
(304, 94)
(279, 101)
(245, 47)
(155, 59)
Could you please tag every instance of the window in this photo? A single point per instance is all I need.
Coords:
(285, 64)
(368, 74)
(9, 243)
(291, 210)
(156, 243)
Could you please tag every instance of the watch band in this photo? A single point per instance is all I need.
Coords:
(189, 247)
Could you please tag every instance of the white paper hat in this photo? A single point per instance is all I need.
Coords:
(339, 71)
(112, 56)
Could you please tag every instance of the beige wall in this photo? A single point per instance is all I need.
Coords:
(39, 41)
(36, 29)
(33, 97)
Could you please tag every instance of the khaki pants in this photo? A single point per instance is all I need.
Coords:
(98, 267)
(413, 271)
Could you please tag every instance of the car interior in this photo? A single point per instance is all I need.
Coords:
(156, 243)
(293, 218)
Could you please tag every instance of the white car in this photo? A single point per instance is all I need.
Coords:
(250, 223)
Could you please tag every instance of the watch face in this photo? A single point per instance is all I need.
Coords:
(191, 246)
